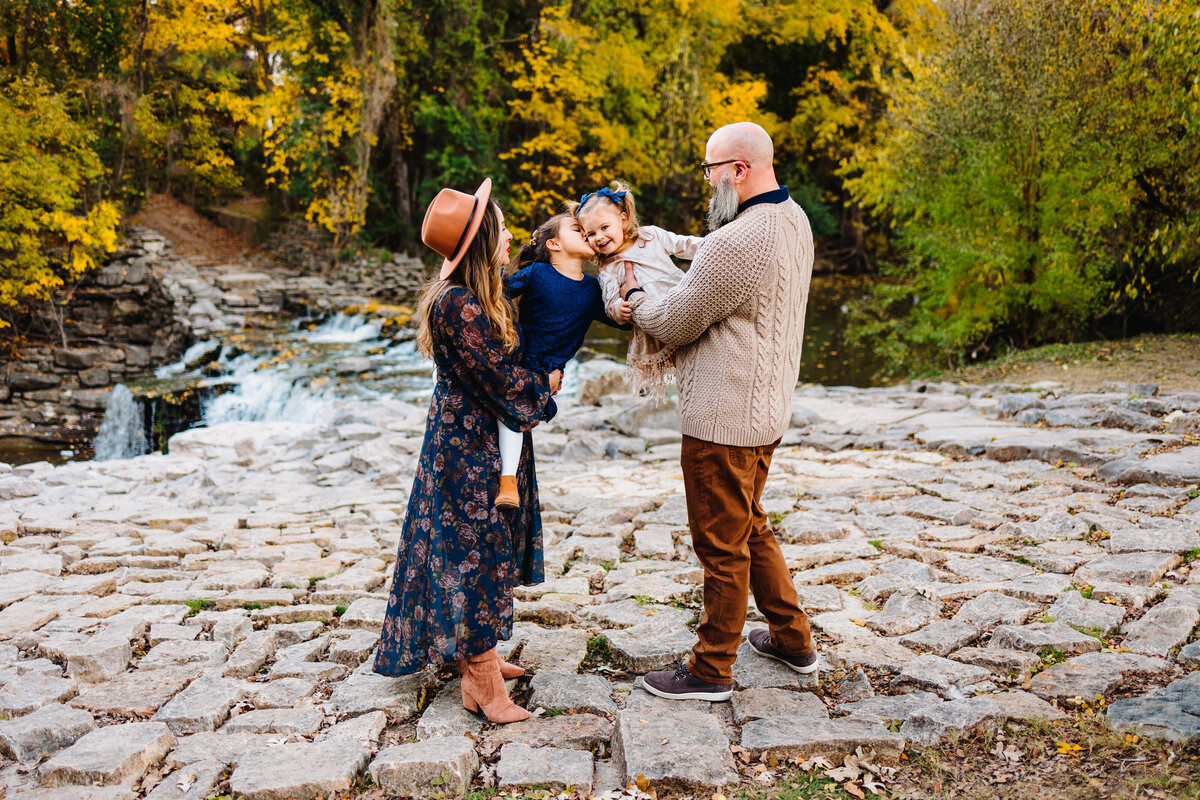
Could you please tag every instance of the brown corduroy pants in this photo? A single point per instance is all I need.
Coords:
(736, 545)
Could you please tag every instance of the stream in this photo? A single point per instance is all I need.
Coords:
(290, 372)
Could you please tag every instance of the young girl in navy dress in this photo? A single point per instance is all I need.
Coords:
(609, 220)
(558, 302)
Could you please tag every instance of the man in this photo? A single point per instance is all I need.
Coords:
(737, 319)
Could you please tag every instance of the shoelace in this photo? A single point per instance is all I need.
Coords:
(681, 672)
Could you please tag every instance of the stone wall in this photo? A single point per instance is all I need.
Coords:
(143, 309)
(119, 325)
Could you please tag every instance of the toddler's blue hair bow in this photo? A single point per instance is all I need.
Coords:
(616, 197)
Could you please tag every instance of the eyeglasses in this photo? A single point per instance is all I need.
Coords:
(708, 166)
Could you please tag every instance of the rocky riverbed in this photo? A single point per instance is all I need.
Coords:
(203, 622)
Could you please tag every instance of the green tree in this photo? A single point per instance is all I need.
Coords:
(1013, 175)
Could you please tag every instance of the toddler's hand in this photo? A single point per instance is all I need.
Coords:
(626, 312)
(555, 381)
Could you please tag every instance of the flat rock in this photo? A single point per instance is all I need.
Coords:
(1079, 612)
(116, 754)
(366, 613)
(751, 704)
(1161, 629)
(444, 764)
(200, 780)
(136, 693)
(873, 653)
(43, 732)
(1178, 468)
(1000, 661)
(175, 652)
(940, 675)
(886, 708)
(1043, 587)
(1140, 568)
(683, 749)
(522, 766)
(551, 648)
(630, 612)
(986, 569)
(651, 645)
(445, 716)
(1092, 675)
(1038, 637)
(929, 726)
(227, 748)
(1022, 706)
(816, 599)
(32, 691)
(564, 691)
(1136, 540)
(284, 721)
(572, 731)
(941, 637)
(833, 739)
(904, 612)
(299, 771)
(363, 692)
(280, 693)
(202, 706)
(1170, 712)
(995, 608)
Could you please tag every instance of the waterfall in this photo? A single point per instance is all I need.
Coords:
(123, 431)
(346, 329)
(268, 395)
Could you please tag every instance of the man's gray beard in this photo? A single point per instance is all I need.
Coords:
(723, 207)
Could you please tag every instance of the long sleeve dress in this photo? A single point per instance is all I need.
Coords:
(650, 361)
(459, 556)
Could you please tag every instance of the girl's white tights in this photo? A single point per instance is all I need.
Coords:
(510, 449)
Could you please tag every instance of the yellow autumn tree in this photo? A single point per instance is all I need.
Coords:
(51, 227)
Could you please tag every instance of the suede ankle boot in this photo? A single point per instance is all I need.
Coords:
(508, 496)
(483, 689)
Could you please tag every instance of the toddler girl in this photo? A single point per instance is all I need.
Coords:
(557, 302)
(609, 220)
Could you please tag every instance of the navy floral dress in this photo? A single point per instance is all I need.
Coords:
(460, 557)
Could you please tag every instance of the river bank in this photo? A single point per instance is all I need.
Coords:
(974, 560)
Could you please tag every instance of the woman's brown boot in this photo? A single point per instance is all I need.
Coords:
(483, 688)
(508, 496)
(509, 671)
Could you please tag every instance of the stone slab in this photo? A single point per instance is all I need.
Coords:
(522, 766)
(438, 764)
(116, 754)
(684, 749)
(298, 771)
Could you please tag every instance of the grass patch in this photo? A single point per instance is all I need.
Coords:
(599, 653)
(1192, 555)
(1088, 630)
(776, 517)
(1052, 655)
(341, 609)
(876, 543)
(196, 606)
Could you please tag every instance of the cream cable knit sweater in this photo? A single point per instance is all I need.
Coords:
(737, 319)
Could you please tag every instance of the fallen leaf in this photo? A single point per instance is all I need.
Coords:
(852, 788)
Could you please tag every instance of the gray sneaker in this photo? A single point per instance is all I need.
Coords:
(805, 664)
(681, 684)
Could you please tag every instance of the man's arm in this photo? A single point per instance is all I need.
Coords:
(723, 275)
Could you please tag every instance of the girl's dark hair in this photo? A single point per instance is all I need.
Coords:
(535, 249)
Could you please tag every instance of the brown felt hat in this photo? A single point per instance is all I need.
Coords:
(451, 222)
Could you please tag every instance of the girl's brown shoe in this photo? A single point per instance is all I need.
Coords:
(508, 496)
(483, 689)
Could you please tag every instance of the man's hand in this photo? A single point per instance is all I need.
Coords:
(626, 312)
(631, 282)
(555, 381)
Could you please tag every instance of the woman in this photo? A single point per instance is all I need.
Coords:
(459, 556)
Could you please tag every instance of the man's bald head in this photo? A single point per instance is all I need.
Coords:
(752, 172)
(742, 140)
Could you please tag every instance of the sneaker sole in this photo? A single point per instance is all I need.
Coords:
(809, 670)
(712, 697)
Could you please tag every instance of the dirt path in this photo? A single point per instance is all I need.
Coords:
(194, 237)
(1171, 361)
